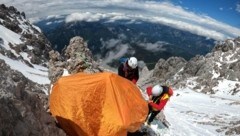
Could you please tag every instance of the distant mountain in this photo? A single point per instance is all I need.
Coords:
(112, 40)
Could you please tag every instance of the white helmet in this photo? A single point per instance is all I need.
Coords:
(132, 62)
(157, 90)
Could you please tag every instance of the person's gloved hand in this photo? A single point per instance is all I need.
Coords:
(150, 101)
(134, 81)
(150, 97)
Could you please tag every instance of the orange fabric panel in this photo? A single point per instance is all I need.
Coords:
(101, 104)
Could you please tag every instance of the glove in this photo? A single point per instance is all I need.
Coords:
(150, 97)
(134, 81)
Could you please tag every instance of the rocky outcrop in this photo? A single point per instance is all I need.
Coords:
(34, 43)
(227, 45)
(165, 72)
(165, 69)
(23, 106)
(23, 102)
(75, 58)
(202, 73)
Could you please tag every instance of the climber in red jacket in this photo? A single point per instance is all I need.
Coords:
(158, 98)
(129, 70)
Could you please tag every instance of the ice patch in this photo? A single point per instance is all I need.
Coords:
(38, 74)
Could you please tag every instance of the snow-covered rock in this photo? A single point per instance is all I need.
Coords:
(203, 73)
(216, 75)
(24, 77)
(23, 106)
(20, 39)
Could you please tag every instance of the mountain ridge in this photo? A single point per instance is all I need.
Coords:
(147, 41)
(202, 73)
(25, 79)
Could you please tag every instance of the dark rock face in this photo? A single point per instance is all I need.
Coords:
(166, 69)
(77, 58)
(34, 43)
(23, 106)
(23, 103)
(194, 65)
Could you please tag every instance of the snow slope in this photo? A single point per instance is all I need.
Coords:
(9, 36)
(198, 114)
(37, 73)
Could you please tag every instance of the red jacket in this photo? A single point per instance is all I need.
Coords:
(159, 101)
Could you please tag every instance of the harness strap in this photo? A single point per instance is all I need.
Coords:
(164, 97)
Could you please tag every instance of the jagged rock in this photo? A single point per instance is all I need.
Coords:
(236, 89)
(224, 47)
(235, 70)
(34, 43)
(77, 58)
(144, 71)
(1, 41)
(166, 69)
(166, 72)
(23, 103)
(23, 106)
(233, 129)
(54, 56)
(222, 63)
(78, 55)
(193, 66)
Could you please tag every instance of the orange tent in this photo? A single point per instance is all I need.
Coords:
(101, 104)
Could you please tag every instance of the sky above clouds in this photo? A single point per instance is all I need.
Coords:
(218, 19)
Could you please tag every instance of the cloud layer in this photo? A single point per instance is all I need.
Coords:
(158, 12)
(154, 47)
(238, 7)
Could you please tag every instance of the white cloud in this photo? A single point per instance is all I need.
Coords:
(116, 48)
(153, 47)
(117, 53)
(221, 8)
(158, 12)
(89, 17)
(110, 43)
(238, 7)
(93, 17)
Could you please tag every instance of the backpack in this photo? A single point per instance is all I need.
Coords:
(123, 60)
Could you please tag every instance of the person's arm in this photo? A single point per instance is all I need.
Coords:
(149, 93)
(120, 70)
(136, 74)
(159, 106)
(149, 90)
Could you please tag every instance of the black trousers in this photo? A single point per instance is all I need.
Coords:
(153, 114)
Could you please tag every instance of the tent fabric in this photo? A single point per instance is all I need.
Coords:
(100, 104)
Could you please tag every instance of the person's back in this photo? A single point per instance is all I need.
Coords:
(129, 70)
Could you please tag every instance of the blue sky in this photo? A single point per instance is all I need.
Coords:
(217, 19)
(222, 10)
